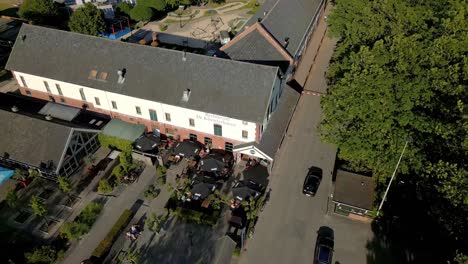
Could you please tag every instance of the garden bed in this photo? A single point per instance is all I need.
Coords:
(22, 217)
(48, 226)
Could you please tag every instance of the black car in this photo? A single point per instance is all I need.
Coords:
(312, 181)
(324, 250)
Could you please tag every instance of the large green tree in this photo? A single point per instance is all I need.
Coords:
(159, 5)
(87, 19)
(400, 71)
(38, 11)
(141, 13)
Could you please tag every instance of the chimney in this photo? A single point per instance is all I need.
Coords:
(121, 74)
(259, 19)
(286, 42)
(48, 117)
(186, 95)
(14, 109)
(184, 56)
(265, 13)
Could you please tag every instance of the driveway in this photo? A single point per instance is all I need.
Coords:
(287, 229)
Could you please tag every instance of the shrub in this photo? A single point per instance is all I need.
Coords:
(44, 254)
(104, 187)
(113, 142)
(118, 173)
(161, 170)
(82, 223)
(64, 184)
(163, 27)
(161, 180)
(103, 247)
(151, 192)
(154, 222)
(236, 252)
(12, 198)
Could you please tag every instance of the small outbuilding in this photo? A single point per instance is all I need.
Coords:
(354, 195)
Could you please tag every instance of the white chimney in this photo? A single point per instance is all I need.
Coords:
(121, 77)
(184, 58)
(186, 95)
(14, 109)
(48, 117)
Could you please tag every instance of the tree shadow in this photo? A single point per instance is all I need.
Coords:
(415, 227)
(182, 243)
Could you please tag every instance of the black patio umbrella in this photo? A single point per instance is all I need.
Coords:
(212, 163)
(201, 190)
(187, 149)
(147, 143)
(244, 193)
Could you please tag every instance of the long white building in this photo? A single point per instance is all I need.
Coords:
(234, 103)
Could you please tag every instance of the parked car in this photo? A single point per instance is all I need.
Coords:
(312, 181)
(324, 250)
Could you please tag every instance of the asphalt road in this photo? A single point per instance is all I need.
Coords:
(286, 231)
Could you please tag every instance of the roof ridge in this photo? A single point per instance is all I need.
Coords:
(118, 42)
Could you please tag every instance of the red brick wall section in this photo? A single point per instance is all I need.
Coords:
(179, 132)
(258, 133)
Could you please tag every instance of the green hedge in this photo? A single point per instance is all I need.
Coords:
(83, 223)
(196, 217)
(107, 242)
(109, 141)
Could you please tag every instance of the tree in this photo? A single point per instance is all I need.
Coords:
(104, 187)
(64, 184)
(38, 11)
(12, 198)
(44, 254)
(218, 198)
(37, 206)
(124, 7)
(400, 71)
(155, 221)
(141, 13)
(159, 5)
(87, 19)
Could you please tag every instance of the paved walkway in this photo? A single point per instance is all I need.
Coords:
(310, 55)
(112, 211)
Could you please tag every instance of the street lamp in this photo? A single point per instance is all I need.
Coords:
(393, 176)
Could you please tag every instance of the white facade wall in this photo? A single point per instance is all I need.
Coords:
(204, 122)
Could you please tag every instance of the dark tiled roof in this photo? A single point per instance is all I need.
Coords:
(287, 18)
(32, 140)
(279, 121)
(247, 49)
(217, 85)
(354, 189)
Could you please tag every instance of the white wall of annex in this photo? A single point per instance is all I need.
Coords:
(204, 122)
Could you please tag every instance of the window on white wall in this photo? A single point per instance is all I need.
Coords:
(83, 97)
(59, 90)
(114, 104)
(138, 110)
(46, 84)
(218, 130)
(168, 117)
(23, 82)
(153, 115)
(191, 122)
(98, 102)
(245, 134)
